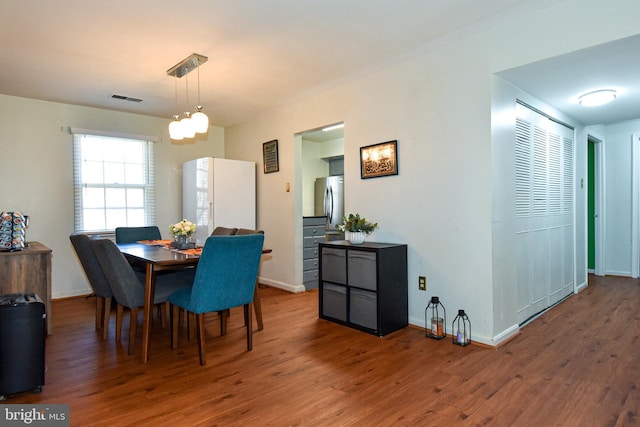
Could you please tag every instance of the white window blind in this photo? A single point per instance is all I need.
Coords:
(113, 181)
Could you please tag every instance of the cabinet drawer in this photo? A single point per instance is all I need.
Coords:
(309, 275)
(334, 301)
(314, 220)
(310, 264)
(363, 308)
(362, 269)
(312, 242)
(310, 253)
(316, 230)
(334, 265)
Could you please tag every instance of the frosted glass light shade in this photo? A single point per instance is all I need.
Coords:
(200, 121)
(175, 129)
(187, 127)
(598, 97)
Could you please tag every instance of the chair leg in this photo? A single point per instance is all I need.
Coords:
(163, 309)
(175, 322)
(200, 331)
(257, 305)
(247, 320)
(119, 313)
(106, 315)
(133, 325)
(224, 320)
(99, 312)
(191, 325)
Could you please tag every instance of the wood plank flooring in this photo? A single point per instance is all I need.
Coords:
(577, 365)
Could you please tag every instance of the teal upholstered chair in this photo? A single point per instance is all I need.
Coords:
(257, 306)
(133, 234)
(127, 284)
(225, 278)
(97, 280)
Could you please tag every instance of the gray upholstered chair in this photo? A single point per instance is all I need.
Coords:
(97, 280)
(127, 284)
(225, 278)
(243, 231)
(133, 234)
(224, 231)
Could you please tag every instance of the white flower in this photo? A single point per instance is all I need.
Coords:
(183, 228)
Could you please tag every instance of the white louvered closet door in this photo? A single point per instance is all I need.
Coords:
(544, 211)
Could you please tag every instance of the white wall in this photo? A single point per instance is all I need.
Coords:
(37, 158)
(438, 107)
(618, 164)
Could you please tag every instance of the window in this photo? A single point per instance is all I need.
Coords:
(113, 181)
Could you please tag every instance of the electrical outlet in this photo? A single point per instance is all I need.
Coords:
(422, 283)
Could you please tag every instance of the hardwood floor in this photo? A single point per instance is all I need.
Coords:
(577, 365)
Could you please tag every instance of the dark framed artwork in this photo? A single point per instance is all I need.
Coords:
(270, 156)
(379, 160)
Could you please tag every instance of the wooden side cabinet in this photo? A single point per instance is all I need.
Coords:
(28, 271)
(364, 286)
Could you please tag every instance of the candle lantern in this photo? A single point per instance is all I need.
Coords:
(435, 315)
(461, 329)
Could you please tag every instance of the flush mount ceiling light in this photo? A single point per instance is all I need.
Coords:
(197, 122)
(597, 97)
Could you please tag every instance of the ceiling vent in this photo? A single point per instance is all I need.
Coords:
(125, 98)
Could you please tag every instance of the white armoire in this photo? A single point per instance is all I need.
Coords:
(218, 192)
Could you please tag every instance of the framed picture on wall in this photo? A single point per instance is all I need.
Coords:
(270, 156)
(379, 160)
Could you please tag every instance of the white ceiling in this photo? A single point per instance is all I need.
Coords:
(559, 81)
(261, 53)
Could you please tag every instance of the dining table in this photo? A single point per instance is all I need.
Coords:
(158, 256)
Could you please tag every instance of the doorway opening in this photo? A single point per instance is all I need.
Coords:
(595, 205)
(319, 156)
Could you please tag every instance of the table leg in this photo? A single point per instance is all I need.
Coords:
(149, 291)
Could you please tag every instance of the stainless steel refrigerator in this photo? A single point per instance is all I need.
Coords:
(329, 200)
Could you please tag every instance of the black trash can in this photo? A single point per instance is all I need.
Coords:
(22, 335)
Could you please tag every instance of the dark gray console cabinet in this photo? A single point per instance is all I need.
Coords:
(364, 286)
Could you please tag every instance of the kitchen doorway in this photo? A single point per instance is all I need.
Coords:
(319, 158)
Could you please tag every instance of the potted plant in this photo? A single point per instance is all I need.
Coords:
(356, 228)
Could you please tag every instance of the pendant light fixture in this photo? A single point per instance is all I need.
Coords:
(187, 127)
(190, 124)
(199, 120)
(175, 128)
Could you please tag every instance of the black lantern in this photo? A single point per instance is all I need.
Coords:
(461, 329)
(435, 315)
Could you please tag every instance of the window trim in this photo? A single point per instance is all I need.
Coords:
(149, 203)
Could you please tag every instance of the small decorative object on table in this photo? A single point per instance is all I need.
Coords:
(181, 233)
(356, 228)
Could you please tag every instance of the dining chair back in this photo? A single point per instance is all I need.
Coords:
(224, 231)
(97, 280)
(257, 304)
(133, 234)
(243, 231)
(127, 284)
(225, 278)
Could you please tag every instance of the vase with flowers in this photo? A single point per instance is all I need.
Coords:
(356, 228)
(182, 232)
